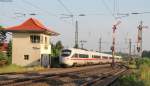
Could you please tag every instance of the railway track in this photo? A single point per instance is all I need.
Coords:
(85, 77)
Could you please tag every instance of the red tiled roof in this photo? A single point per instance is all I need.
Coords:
(31, 24)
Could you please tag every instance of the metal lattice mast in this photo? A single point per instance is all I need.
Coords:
(76, 35)
(100, 45)
(130, 47)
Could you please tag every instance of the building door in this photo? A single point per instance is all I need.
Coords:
(45, 60)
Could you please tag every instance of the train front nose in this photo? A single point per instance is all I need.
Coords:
(63, 60)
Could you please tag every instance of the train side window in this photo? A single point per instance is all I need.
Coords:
(110, 58)
(104, 57)
(83, 56)
(95, 56)
(75, 56)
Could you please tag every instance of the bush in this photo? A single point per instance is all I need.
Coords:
(144, 72)
(141, 77)
(55, 62)
(142, 61)
(2, 56)
(130, 80)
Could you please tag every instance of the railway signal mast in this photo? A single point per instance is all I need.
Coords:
(113, 43)
(139, 38)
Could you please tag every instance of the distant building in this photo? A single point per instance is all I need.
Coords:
(31, 43)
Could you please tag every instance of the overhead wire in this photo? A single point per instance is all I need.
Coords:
(22, 7)
(14, 11)
(115, 11)
(114, 8)
(108, 9)
(20, 14)
(117, 6)
(45, 11)
(64, 6)
(35, 6)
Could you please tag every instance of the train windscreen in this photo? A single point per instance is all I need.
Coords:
(65, 53)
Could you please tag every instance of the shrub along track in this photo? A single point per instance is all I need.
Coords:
(81, 77)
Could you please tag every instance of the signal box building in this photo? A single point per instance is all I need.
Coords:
(31, 43)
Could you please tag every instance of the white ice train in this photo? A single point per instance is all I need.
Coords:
(72, 56)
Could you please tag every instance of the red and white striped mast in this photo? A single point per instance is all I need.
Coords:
(113, 43)
(139, 38)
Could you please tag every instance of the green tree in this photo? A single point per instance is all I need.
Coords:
(2, 40)
(53, 50)
(59, 47)
(2, 56)
(2, 35)
(9, 52)
(56, 48)
(146, 53)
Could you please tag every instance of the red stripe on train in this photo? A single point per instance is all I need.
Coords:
(85, 59)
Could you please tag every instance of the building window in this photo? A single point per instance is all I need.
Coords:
(35, 38)
(41, 39)
(26, 57)
(45, 40)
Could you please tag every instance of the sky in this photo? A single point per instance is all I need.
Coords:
(96, 23)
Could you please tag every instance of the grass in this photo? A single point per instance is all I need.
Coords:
(130, 80)
(144, 74)
(132, 66)
(140, 76)
(18, 69)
